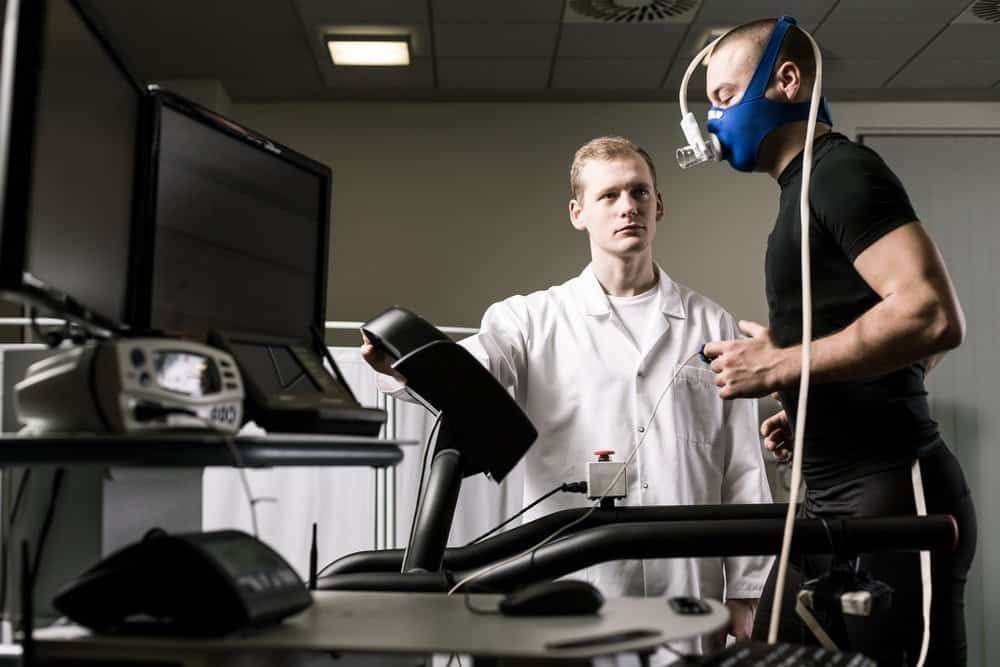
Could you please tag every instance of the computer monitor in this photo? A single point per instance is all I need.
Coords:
(70, 123)
(240, 229)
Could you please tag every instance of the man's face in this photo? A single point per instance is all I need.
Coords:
(618, 205)
(729, 72)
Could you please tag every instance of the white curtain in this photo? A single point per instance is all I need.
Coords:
(342, 501)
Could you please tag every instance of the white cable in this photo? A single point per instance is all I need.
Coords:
(800, 417)
(690, 70)
(597, 503)
(925, 563)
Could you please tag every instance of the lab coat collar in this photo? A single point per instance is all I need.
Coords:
(595, 300)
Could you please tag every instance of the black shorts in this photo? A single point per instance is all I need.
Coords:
(892, 637)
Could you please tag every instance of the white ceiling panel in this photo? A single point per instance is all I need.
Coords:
(874, 40)
(484, 40)
(858, 73)
(343, 11)
(493, 74)
(616, 40)
(734, 12)
(897, 11)
(607, 73)
(491, 11)
(966, 41)
(933, 73)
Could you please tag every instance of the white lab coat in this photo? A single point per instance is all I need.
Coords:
(574, 370)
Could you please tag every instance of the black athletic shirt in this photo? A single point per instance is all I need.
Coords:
(862, 426)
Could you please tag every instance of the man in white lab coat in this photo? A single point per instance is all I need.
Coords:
(588, 359)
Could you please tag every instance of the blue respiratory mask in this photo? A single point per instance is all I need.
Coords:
(742, 127)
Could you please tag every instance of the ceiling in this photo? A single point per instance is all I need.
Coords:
(547, 50)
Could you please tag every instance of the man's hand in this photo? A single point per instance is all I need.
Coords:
(777, 432)
(752, 367)
(378, 360)
(741, 614)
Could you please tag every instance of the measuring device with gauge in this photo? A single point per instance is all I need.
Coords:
(132, 385)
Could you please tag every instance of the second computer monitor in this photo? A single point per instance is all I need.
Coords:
(240, 229)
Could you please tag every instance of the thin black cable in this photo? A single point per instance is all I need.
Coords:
(27, 608)
(561, 487)
(5, 547)
(49, 516)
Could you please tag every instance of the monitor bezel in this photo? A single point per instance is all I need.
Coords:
(140, 318)
(23, 46)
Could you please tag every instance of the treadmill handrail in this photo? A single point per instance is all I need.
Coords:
(678, 539)
(519, 538)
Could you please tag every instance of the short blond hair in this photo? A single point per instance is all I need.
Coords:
(605, 149)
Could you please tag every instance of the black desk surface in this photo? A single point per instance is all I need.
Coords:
(199, 449)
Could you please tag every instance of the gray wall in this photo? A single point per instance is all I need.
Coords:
(447, 207)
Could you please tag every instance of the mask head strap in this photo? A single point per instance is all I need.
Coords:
(762, 75)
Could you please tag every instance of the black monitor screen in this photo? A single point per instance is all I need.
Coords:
(84, 165)
(238, 234)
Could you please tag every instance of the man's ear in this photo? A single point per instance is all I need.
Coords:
(788, 80)
(575, 211)
(659, 206)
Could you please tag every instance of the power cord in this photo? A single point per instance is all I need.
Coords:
(50, 512)
(144, 412)
(567, 487)
(22, 485)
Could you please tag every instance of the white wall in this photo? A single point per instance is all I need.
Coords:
(447, 207)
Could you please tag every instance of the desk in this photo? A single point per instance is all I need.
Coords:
(120, 486)
(397, 624)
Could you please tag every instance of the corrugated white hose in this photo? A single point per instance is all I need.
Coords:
(597, 503)
(800, 416)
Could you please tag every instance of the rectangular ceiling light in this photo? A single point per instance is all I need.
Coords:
(371, 51)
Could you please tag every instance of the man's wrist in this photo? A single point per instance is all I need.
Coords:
(789, 367)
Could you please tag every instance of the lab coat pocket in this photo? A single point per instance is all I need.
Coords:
(697, 408)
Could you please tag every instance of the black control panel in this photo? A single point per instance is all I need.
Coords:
(197, 584)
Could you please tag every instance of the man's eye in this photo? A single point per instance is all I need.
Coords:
(640, 192)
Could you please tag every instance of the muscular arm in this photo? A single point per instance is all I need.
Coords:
(918, 319)
(919, 316)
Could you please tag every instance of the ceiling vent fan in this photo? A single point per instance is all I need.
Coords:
(981, 11)
(630, 11)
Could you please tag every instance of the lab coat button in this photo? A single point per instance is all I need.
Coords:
(645, 485)
(642, 429)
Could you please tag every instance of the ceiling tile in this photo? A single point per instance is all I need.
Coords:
(926, 72)
(966, 41)
(482, 40)
(874, 40)
(368, 12)
(490, 74)
(897, 11)
(858, 73)
(166, 44)
(614, 40)
(491, 11)
(731, 13)
(607, 73)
